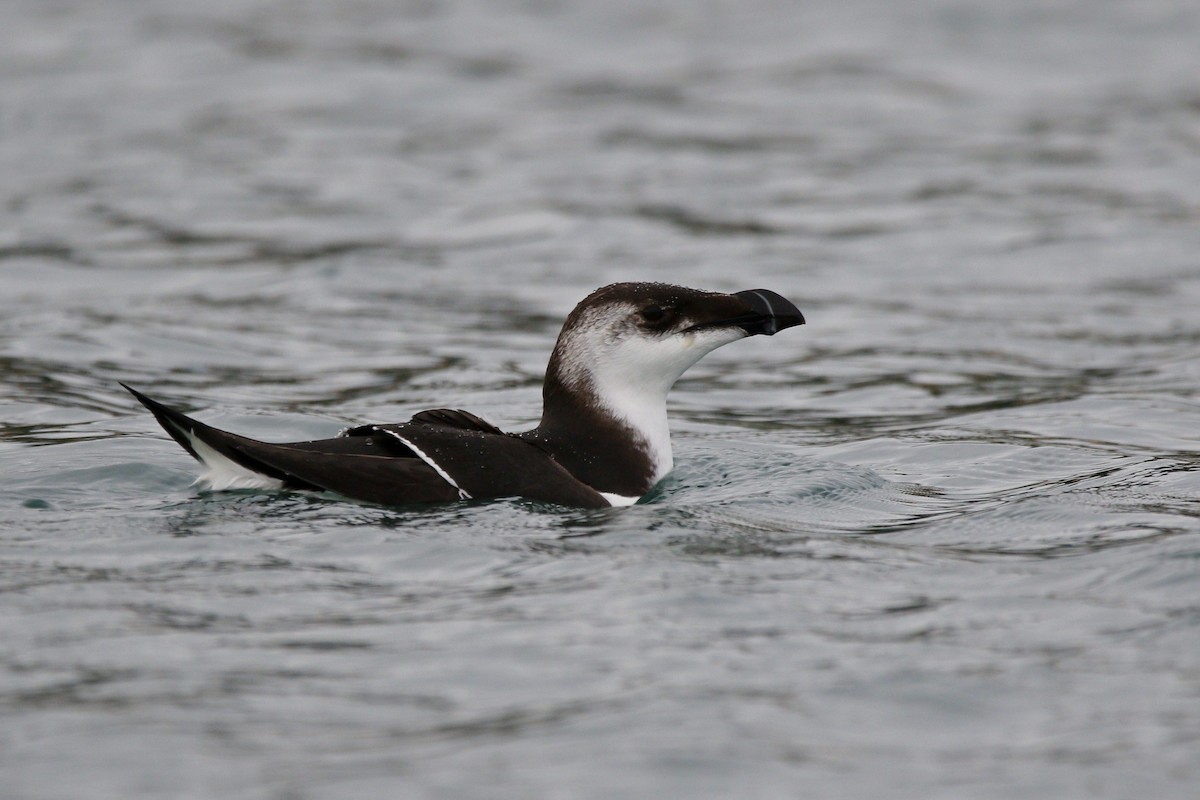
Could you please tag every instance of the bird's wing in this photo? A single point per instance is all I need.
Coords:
(375, 469)
(459, 456)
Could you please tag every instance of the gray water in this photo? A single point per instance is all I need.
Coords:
(942, 542)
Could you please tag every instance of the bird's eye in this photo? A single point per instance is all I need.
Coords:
(654, 313)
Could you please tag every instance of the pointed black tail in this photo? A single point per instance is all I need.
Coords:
(190, 434)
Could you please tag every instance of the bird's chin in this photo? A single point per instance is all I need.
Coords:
(710, 339)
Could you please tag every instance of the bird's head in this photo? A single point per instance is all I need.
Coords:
(626, 344)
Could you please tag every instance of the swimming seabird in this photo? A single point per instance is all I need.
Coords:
(602, 441)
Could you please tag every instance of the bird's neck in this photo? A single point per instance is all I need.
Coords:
(618, 442)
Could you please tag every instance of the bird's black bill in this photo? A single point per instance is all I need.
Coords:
(771, 312)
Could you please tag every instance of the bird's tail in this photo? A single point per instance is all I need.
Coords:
(228, 465)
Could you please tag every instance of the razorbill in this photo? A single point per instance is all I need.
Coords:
(603, 439)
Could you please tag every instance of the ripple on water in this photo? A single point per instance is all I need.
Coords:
(968, 497)
(941, 542)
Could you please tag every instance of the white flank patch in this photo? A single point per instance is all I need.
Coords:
(225, 473)
(462, 493)
(619, 500)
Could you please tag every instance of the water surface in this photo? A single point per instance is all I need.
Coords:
(943, 541)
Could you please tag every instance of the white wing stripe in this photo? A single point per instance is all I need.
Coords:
(421, 454)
